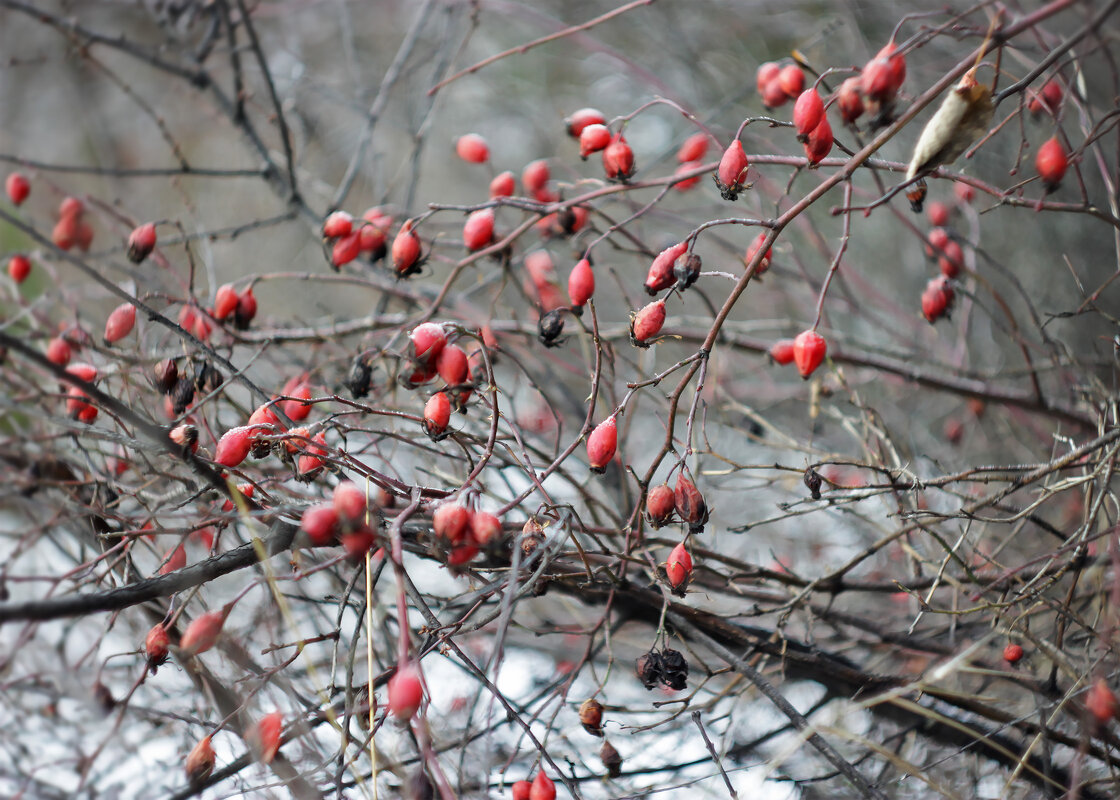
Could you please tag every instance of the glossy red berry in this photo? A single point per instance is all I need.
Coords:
(156, 646)
(427, 341)
(579, 120)
(792, 80)
(311, 461)
(766, 74)
(246, 308)
(581, 283)
(679, 567)
(1101, 702)
(819, 143)
(174, 560)
(695, 147)
(752, 252)
(660, 275)
(849, 101)
(732, 172)
(1048, 99)
(374, 232)
(452, 365)
(320, 522)
(520, 790)
(338, 223)
(58, 351)
(437, 415)
(593, 139)
(225, 301)
(478, 230)
(406, 250)
(452, 522)
(543, 788)
(18, 188)
(200, 762)
(202, 633)
(345, 249)
(535, 176)
(807, 113)
(120, 322)
(349, 501)
(297, 409)
(937, 299)
(265, 736)
(472, 148)
(883, 75)
(773, 95)
(141, 242)
(601, 444)
(503, 185)
(1051, 163)
(234, 446)
(660, 504)
(1013, 653)
(406, 692)
(19, 267)
(647, 323)
(618, 159)
(809, 349)
(781, 352)
(485, 528)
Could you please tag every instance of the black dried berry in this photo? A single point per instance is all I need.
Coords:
(550, 327)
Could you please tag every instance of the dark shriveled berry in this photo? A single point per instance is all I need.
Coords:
(686, 269)
(550, 326)
(812, 481)
(611, 759)
(674, 669)
(358, 379)
(650, 670)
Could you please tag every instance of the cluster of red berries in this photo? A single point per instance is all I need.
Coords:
(807, 350)
(349, 238)
(350, 519)
(462, 532)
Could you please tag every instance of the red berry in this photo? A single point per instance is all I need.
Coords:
(141, 242)
(374, 231)
(405, 692)
(478, 230)
(265, 736)
(225, 301)
(819, 143)
(809, 349)
(647, 323)
(338, 224)
(695, 147)
(659, 504)
(452, 522)
(452, 366)
(581, 283)
(543, 788)
(601, 444)
(732, 171)
(540, 267)
(964, 192)
(807, 113)
(65, 233)
(951, 259)
(792, 80)
(437, 414)
(687, 183)
(883, 75)
(406, 250)
(689, 503)
(83, 237)
(485, 528)
(349, 501)
(752, 251)
(298, 409)
(660, 275)
(472, 148)
(311, 462)
(937, 299)
(781, 352)
(1012, 653)
(71, 208)
(200, 762)
(581, 119)
(938, 214)
(767, 73)
(120, 322)
(156, 646)
(849, 101)
(320, 522)
(427, 342)
(535, 176)
(202, 633)
(503, 185)
(618, 159)
(346, 249)
(938, 239)
(1050, 98)
(357, 543)
(520, 790)
(234, 446)
(84, 372)
(19, 267)
(1101, 702)
(593, 139)
(58, 351)
(1051, 162)
(173, 561)
(679, 567)
(246, 308)
(773, 95)
(18, 187)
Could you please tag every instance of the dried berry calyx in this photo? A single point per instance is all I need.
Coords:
(611, 759)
